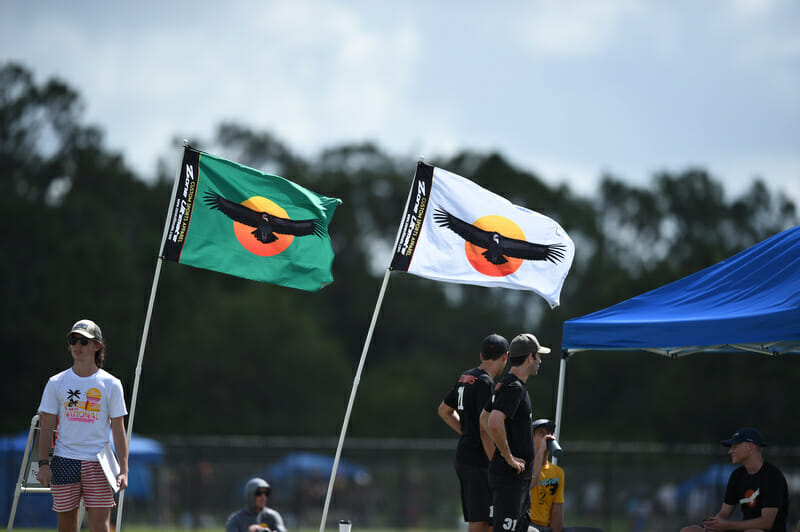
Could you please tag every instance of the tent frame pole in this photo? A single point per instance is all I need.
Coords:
(562, 371)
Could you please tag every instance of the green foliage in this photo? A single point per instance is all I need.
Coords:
(229, 356)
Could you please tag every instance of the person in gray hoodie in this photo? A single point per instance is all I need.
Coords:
(255, 516)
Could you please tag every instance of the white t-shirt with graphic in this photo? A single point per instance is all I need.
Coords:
(85, 406)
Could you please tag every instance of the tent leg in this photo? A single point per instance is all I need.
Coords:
(562, 371)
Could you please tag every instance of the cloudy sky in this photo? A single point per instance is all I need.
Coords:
(570, 89)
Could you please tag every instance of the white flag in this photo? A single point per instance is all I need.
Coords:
(455, 231)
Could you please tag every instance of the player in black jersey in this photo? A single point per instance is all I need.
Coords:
(461, 409)
(758, 486)
(508, 421)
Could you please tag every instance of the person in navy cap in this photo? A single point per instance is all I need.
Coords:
(757, 485)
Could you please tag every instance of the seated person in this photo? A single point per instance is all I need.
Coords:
(255, 516)
(758, 486)
(547, 491)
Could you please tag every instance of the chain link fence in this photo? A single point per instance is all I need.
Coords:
(411, 484)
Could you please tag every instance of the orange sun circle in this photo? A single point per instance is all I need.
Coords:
(505, 227)
(244, 233)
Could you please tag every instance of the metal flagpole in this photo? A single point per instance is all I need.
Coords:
(145, 332)
(136, 380)
(352, 399)
(357, 378)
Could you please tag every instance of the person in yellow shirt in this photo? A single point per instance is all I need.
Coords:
(547, 492)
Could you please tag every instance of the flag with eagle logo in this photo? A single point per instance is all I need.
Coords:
(233, 219)
(455, 231)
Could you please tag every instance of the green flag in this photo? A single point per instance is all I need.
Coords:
(233, 219)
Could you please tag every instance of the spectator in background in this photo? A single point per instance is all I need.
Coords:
(547, 491)
(255, 516)
(758, 486)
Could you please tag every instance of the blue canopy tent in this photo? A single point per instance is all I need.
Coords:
(299, 465)
(716, 476)
(304, 464)
(35, 509)
(749, 302)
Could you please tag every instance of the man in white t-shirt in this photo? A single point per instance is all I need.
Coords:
(78, 406)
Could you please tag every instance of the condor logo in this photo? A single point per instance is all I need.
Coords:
(262, 226)
(495, 245)
(750, 497)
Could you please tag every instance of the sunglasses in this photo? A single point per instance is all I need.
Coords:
(75, 339)
(262, 492)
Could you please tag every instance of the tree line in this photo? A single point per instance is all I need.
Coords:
(229, 356)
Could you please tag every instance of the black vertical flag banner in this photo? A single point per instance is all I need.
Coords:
(411, 224)
(182, 207)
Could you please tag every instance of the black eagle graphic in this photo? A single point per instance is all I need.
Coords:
(497, 246)
(267, 226)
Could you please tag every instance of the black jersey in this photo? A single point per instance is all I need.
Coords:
(468, 396)
(765, 489)
(511, 398)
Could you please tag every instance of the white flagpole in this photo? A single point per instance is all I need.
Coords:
(357, 378)
(352, 399)
(145, 332)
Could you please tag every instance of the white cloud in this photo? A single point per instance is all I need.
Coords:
(763, 30)
(328, 74)
(746, 9)
(574, 28)
(568, 89)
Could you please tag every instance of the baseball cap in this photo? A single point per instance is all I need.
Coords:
(745, 434)
(551, 426)
(526, 343)
(494, 344)
(87, 328)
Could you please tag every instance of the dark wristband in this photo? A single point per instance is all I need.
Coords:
(44, 462)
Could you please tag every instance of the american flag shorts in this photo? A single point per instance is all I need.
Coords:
(73, 479)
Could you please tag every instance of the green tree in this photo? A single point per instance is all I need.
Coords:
(77, 220)
(230, 356)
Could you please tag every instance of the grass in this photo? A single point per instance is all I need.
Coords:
(141, 528)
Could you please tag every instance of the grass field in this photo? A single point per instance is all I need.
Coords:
(139, 528)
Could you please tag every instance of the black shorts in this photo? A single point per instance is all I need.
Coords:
(476, 496)
(511, 505)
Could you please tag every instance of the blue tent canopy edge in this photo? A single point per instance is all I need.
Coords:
(748, 302)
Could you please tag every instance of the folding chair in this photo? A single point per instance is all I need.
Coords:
(26, 482)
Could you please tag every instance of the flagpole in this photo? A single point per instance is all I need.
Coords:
(356, 381)
(357, 378)
(145, 333)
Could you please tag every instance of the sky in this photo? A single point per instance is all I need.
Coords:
(568, 89)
